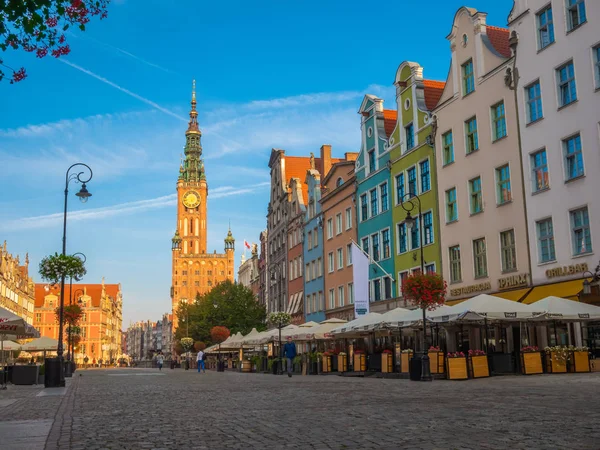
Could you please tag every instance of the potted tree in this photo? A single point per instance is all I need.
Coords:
(457, 366)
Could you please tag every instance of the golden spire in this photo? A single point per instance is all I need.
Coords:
(193, 124)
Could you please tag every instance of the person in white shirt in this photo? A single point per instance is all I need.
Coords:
(200, 361)
(159, 360)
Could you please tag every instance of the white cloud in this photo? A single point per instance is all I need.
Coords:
(50, 220)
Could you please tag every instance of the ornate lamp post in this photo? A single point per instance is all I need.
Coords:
(70, 352)
(84, 195)
(409, 202)
(273, 280)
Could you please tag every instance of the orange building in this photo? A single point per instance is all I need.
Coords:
(101, 322)
(194, 271)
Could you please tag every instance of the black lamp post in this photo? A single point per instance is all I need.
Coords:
(84, 195)
(408, 204)
(273, 279)
(70, 352)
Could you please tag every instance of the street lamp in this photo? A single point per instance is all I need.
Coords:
(408, 204)
(273, 279)
(70, 351)
(84, 195)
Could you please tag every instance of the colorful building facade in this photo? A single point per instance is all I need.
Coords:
(17, 289)
(558, 89)
(413, 174)
(295, 252)
(480, 184)
(373, 202)
(100, 325)
(338, 207)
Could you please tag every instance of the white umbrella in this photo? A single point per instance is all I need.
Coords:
(557, 308)
(14, 327)
(484, 307)
(415, 317)
(234, 343)
(350, 327)
(11, 346)
(252, 335)
(319, 331)
(273, 335)
(385, 319)
(42, 344)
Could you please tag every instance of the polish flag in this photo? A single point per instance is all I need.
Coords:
(246, 244)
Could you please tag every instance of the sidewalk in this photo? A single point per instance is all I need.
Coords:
(27, 414)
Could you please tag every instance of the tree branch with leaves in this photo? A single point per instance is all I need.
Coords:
(39, 26)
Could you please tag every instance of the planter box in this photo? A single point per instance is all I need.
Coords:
(457, 368)
(531, 363)
(553, 365)
(342, 363)
(360, 362)
(478, 366)
(246, 366)
(436, 362)
(404, 361)
(595, 365)
(326, 364)
(25, 375)
(580, 362)
(387, 363)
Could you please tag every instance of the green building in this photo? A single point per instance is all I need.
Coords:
(413, 171)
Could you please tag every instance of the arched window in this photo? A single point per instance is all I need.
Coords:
(339, 182)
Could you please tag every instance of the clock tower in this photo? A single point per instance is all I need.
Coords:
(194, 270)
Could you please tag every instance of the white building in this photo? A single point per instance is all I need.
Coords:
(557, 60)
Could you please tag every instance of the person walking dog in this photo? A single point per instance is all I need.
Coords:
(289, 351)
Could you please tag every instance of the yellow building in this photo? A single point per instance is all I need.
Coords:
(195, 271)
(17, 289)
(101, 322)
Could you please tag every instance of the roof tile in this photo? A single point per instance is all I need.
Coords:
(390, 116)
(499, 39)
(93, 290)
(433, 91)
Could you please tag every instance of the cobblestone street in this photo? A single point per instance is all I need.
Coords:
(142, 408)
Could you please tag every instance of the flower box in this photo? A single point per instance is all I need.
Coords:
(478, 366)
(387, 363)
(360, 362)
(342, 361)
(580, 361)
(531, 361)
(436, 361)
(554, 364)
(326, 364)
(404, 361)
(457, 368)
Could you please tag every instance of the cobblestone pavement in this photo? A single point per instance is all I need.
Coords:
(145, 409)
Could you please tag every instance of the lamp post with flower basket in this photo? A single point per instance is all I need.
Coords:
(427, 291)
(219, 334)
(280, 319)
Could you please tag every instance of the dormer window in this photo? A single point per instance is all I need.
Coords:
(339, 182)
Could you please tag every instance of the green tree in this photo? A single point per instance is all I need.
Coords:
(228, 304)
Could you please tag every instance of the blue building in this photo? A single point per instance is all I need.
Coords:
(373, 199)
(314, 279)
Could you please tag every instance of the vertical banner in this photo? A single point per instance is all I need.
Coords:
(360, 273)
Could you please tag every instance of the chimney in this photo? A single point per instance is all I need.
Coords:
(325, 160)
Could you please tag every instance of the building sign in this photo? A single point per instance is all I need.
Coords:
(566, 270)
(470, 289)
(513, 281)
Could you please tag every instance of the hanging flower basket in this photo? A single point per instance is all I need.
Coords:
(187, 343)
(71, 314)
(55, 267)
(426, 290)
(281, 319)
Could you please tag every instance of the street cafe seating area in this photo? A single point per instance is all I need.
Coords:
(480, 337)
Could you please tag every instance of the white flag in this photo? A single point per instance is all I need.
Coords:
(360, 273)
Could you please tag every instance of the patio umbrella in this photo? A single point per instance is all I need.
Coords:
(273, 335)
(10, 346)
(414, 317)
(352, 327)
(42, 344)
(14, 327)
(392, 316)
(484, 307)
(319, 331)
(556, 308)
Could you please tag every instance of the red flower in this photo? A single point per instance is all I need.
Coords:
(19, 75)
(52, 21)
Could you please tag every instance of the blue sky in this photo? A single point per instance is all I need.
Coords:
(269, 74)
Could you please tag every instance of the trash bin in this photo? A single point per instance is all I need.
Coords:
(68, 368)
(414, 367)
(53, 377)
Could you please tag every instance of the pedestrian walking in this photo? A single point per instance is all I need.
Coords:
(200, 361)
(289, 351)
(159, 360)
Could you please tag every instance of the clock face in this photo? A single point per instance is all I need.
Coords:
(191, 199)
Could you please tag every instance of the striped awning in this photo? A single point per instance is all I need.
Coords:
(295, 303)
